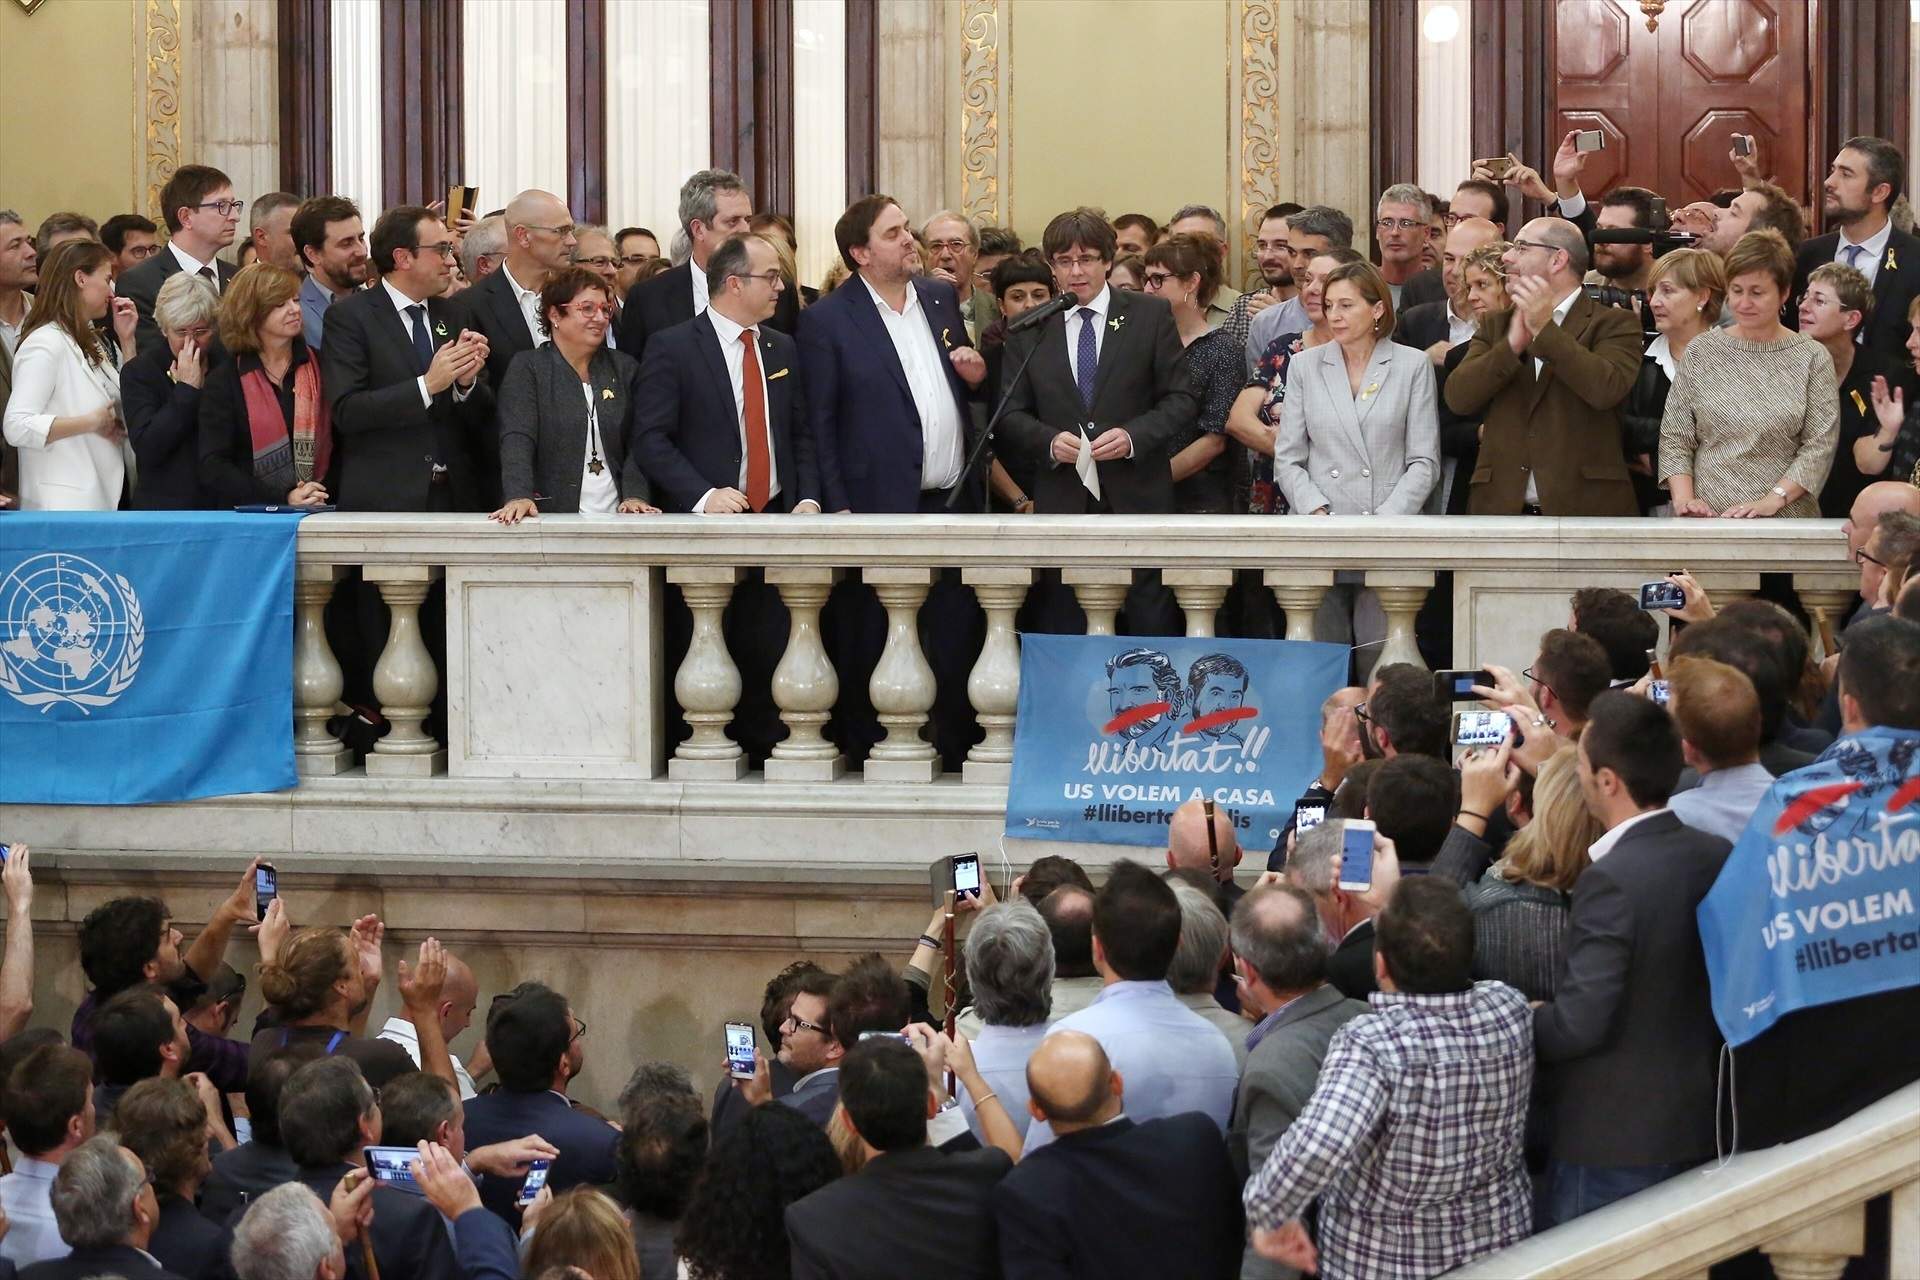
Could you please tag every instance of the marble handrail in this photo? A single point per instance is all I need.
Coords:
(1802, 1203)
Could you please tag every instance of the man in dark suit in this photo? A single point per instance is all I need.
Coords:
(921, 1211)
(106, 1208)
(1630, 1030)
(202, 219)
(1860, 190)
(714, 206)
(1108, 1197)
(506, 305)
(1346, 914)
(1549, 377)
(534, 1041)
(407, 378)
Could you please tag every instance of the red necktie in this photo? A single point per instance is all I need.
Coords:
(753, 393)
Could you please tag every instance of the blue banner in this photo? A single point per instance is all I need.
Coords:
(145, 656)
(1115, 733)
(1817, 901)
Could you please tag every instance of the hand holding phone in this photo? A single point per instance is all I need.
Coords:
(1662, 595)
(536, 1179)
(1356, 856)
(1457, 686)
(1308, 814)
(266, 887)
(1480, 728)
(1589, 140)
(740, 1050)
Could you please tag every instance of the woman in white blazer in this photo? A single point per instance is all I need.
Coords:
(1359, 433)
(64, 414)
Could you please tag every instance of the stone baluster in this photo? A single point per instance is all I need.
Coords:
(1299, 593)
(902, 686)
(1725, 588)
(1827, 597)
(994, 684)
(404, 679)
(805, 685)
(1201, 593)
(707, 683)
(1100, 592)
(1819, 1251)
(317, 681)
(1401, 592)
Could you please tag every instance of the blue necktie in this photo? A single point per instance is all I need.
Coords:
(1853, 252)
(1086, 358)
(422, 344)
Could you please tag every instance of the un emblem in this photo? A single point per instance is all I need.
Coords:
(69, 633)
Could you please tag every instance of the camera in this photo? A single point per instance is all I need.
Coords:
(1609, 296)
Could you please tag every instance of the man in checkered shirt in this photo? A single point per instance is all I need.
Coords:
(1412, 1139)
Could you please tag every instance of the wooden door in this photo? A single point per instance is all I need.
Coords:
(1669, 100)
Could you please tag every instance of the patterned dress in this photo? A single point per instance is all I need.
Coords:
(1270, 376)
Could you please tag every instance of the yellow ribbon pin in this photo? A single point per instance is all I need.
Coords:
(606, 393)
(1892, 264)
(775, 377)
(946, 341)
(1115, 323)
(1859, 403)
(1366, 392)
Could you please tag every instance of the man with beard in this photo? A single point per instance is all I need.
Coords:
(1860, 190)
(1138, 678)
(328, 235)
(1624, 266)
(1217, 683)
(1273, 250)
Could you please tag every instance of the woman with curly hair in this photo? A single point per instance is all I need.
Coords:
(582, 1228)
(735, 1225)
(663, 1147)
(164, 1122)
(320, 988)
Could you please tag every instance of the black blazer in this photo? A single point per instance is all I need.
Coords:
(1350, 967)
(864, 422)
(163, 422)
(908, 1213)
(1421, 288)
(114, 1260)
(543, 425)
(142, 284)
(188, 1242)
(686, 434)
(386, 439)
(1141, 385)
(409, 1236)
(224, 440)
(491, 308)
(1630, 1031)
(241, 1176)
(1422, 325)
(1124, 1199)
(1894, 287)
(587, 1144)
(667, 300)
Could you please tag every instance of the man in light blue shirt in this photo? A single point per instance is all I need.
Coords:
(49, 1114)
(1718, 713)
(1010, 969)
(1171, 1058)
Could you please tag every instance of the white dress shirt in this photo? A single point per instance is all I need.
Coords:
(1869, 263)
(529, 300)
(1459, 328)
(1559, 317)
(401, 1032)
(700, 295)
(27, 1196)
(735, 354)
(942, 452)
(599, 495)
(192, 265)
(1604, 845)
(400, 303)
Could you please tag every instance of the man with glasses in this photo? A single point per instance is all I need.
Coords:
(203, 216)
(634, 248)
(1550, 387)
(1400, 227)
(132, 238)
(954, 245)
(593, 249)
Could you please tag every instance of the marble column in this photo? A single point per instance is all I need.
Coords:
(1299, 593)
(1332, 105)
(317, 682)
(404, 679)
(1201, 593)
(902, 686)
(1725, 588)
(1820, 1250)
(1401, 592)
(707, 683)
(994, 685)
(913, 163)
(235, 76)
(805, 685)
(1100, 593)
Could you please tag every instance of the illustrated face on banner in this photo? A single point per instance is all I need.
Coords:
(1137, 684)
(1220, 692)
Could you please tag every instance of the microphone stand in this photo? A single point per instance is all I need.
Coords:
(1000, 411)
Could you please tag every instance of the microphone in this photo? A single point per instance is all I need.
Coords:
(1643, 235)
(1044, 312)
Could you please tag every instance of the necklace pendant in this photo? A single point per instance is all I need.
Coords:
(595, 466)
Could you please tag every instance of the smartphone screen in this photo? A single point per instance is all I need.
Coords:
(740, 1050)
(1481, 728)
(266, 887)
(1356, 856)
(966, 874)
(1308, 814)
(1457, 686)
(1662, 595)
(1660, 691)
(391, 1165)
(536, 1179)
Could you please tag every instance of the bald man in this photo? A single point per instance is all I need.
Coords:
(1548, 378)
(506, 305)
(457, 1000)
(1187, 845)
(1109, 1197)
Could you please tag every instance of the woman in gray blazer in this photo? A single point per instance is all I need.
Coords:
(566, 411)
(1359, 433)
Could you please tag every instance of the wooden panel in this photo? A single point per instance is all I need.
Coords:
(1513, 62)
(587, 110)
(1395, 95)
(752, 52)
(306, 116)
(422, 92)
(1607, 81)
(1861, 54)
(863, 98)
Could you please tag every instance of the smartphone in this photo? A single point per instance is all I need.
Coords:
(1498, 166)
(740, 1050)
(1589, 140)
(1481, 728)
(266, 887)
(1356, 856)
(957, 873)
(1457, 686)
(536, 1179)
(901, 1036)
(1743, 144)
(391, 1165)
(4, 850)
(1308, 814)
(1662, 595)
(1660, 691)
(460, 199)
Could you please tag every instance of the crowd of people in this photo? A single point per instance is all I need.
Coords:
(1502, 1025)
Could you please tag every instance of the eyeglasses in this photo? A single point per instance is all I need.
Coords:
(1454, 219)
(768, 278)
(225, 208)
(1535, 244)
(799, 1023)
(595, 262)
(445, 248)
(1861, 557)
(1154, 281)
(1530, 675)
(950, 246)
(588, 310)
(562, 232)
(578, 1034)
(1399, 224)
(637, 259)
(1360, 712)
(1063, 261)
(141, 252)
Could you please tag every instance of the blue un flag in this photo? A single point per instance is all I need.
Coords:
(144, 656)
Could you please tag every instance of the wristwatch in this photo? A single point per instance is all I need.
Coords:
(1779, 493)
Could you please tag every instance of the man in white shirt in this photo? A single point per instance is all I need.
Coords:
(203, 217)
(49, 1112)
(455, 1010)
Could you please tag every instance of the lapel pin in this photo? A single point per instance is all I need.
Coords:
(1892, 263)
(946, 341)
(606, 393)
(776, 376)
(1859, 404)
(441, 329)
(1366, 392)
(1116, 323)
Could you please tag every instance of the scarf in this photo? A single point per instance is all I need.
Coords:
(282, 461)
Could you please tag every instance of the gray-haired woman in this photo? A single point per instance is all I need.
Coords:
(160, 394)
(1010, 968)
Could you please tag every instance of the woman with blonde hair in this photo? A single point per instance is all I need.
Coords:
(583, 1228)
(1684, 295)
(321, 986)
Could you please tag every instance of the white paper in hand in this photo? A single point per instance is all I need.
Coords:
(1088, 469)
